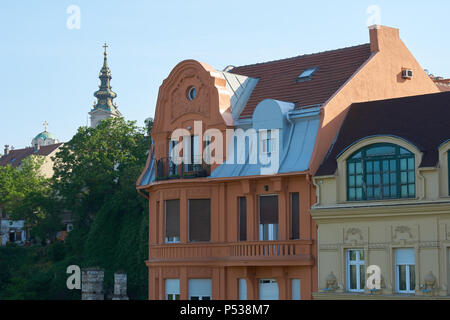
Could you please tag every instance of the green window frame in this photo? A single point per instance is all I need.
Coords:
(381, 171)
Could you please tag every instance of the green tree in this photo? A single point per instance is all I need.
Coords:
(95, 177)
(27, 195)
(92, 166)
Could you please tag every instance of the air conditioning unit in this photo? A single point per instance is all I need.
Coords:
(407, 74)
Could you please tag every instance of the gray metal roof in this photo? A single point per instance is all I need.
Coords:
(240, 88)
(149, 175)
(297, 138)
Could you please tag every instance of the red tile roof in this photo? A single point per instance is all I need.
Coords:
(277, 79)
(15, 157)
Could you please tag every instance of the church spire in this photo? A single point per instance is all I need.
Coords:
(105, 95)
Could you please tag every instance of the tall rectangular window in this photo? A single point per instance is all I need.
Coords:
(295, 216)
(355, 270)
(295, 289)
(266, 142)
(172, 157)
(199, 220)
(242, 218)
(268, 217)
(405, 270)
(172, 289)
(172, 219)
(192, 155)
(157, 217)
(242, 289)
(207, 152)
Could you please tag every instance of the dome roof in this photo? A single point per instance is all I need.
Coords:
(45, 135)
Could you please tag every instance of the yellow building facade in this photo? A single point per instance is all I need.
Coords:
(383, 200)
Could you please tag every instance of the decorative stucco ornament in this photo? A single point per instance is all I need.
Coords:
(429, 283)
(331, 282)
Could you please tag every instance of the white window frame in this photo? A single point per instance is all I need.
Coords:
(408, 290)
(358, 263)
(173, 295)
(172, 240)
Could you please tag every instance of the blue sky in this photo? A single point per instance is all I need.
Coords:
(49, 72)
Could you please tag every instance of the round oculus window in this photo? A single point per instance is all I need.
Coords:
(192, 93)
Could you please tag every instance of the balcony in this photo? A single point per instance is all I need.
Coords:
(167, 169)
(255, 253)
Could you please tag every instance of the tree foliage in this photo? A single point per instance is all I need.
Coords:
(91, 166)
(95, 178)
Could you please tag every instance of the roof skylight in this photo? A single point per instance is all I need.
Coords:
(307, 74)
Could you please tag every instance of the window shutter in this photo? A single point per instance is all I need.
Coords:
(404, 256)
(200, 287)
(268, 209)
(242, 219)
(199, 220)
(172, 286)
(172, 218)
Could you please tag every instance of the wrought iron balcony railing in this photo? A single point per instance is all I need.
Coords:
(167, 169)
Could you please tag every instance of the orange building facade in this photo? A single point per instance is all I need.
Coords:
(236, 231)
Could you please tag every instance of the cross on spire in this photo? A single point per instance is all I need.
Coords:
(105, 46)
(45, 125)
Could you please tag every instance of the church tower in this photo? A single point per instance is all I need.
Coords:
(104, 107)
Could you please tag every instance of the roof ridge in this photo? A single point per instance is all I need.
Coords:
(299, 56)
(31, 147)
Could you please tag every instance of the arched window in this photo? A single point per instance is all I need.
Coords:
(381, 171)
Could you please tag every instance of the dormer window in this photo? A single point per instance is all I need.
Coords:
(381, 171)
(307, 74)
(268, 141)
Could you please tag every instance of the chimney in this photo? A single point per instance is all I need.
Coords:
(6, 149)
(37, 147)
(382, 37)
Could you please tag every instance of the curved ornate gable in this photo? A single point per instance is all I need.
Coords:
(211, 103)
